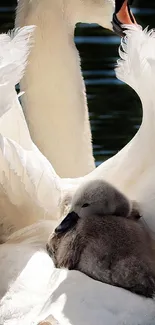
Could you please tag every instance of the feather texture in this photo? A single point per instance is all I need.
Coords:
(29, 187)
(137, 59)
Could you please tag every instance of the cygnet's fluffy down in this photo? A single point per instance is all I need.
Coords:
(103, 238)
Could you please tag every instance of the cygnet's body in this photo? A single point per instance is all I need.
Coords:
(103, 238)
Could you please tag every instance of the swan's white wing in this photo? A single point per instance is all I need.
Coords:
(132, 170)
(137, 62)
(14, 50)
(137, 68)
(29, 187)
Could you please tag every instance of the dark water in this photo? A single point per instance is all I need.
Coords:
(115, 110)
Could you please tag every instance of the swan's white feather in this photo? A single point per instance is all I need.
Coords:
(137, 54)
(30, 189)
(14, 50)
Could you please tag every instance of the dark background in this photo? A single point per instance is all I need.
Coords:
(115, 110)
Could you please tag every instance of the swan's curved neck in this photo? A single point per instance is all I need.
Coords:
(55, 101)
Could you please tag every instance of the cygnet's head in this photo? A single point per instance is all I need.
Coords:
(99, 198)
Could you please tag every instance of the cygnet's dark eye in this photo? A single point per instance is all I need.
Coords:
(85, 205)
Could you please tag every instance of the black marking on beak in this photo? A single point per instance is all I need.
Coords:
(69, 222)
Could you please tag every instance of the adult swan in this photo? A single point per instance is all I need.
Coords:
(31, 289)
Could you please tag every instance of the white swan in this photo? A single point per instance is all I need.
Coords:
(56, 21)
(45, 191)
(55, 100)
(31, 289)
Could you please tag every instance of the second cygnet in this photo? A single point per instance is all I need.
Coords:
(103, 238)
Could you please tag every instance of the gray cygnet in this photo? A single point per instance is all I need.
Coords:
(103, 237)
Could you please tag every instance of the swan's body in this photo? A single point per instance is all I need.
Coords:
(53, 82)
(32, 289)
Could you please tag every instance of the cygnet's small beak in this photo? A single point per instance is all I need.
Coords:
(69, 221)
